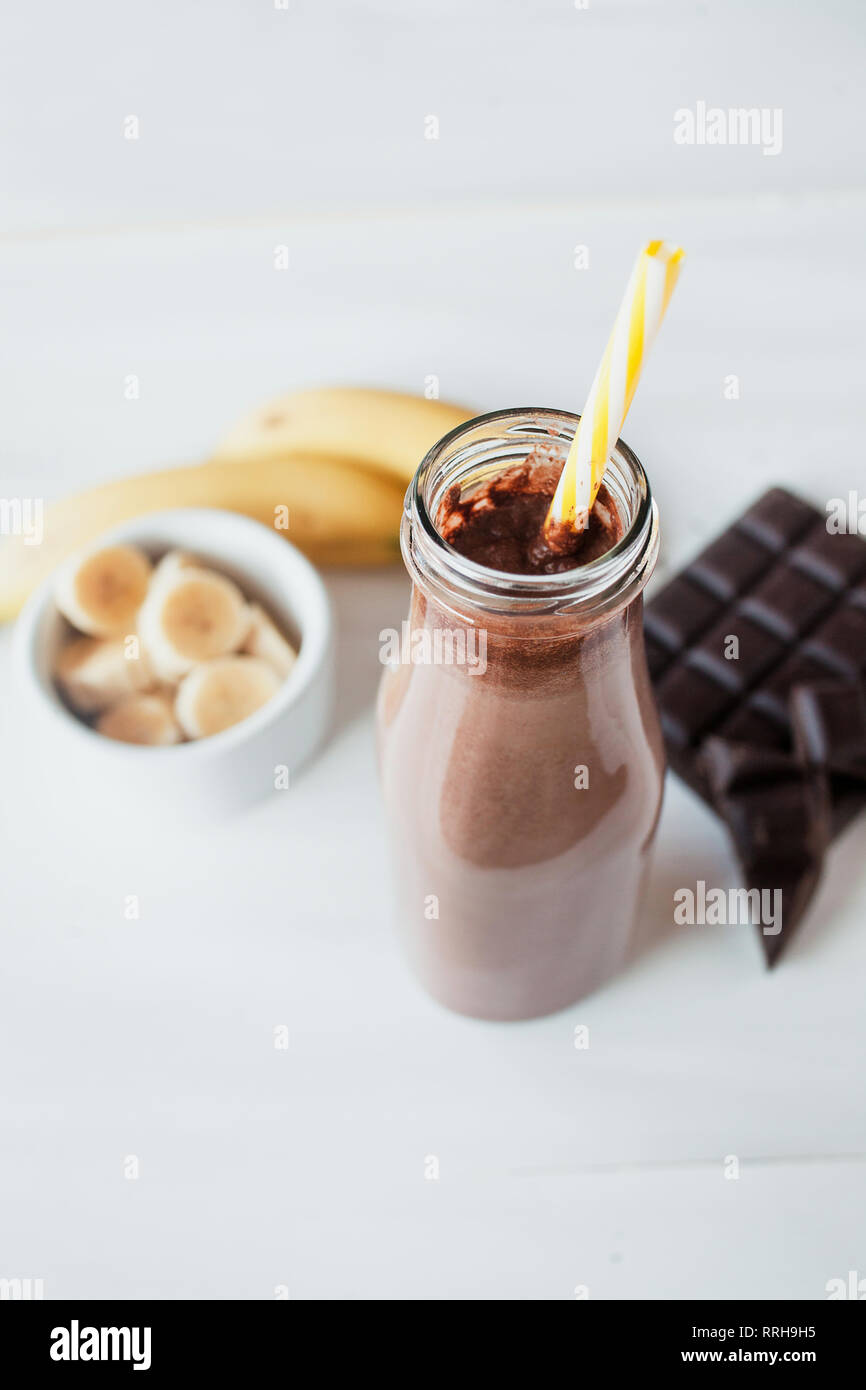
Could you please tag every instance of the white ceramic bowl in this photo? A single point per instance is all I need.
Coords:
(212, 776)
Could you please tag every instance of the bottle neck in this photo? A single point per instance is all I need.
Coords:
(573, 599)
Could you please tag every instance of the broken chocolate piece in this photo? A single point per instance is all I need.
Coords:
(778, 814)
(830, 728)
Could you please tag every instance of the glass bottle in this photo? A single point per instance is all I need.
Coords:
(520, 752)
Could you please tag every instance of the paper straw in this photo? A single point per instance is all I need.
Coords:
(652, 282)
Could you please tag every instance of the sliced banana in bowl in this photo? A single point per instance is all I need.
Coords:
(145, 719)
(219, 693)
(265, 640)
(191, 616)
(193, 638)
(101, 591)
(94, 673)
(192, 645)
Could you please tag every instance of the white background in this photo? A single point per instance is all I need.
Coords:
(305, 127)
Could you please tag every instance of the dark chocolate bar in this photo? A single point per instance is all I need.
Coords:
(770, 729)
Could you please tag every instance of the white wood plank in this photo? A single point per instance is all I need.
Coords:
(246, 110)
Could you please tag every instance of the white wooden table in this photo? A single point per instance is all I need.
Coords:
(305, 1168)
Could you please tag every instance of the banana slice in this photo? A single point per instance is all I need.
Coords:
(95, 672)
(193, 615)
(266, 641)
(220, 693)
(101, 591)
(145, 719)
(171, 564)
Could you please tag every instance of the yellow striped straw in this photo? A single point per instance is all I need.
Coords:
(652, 282)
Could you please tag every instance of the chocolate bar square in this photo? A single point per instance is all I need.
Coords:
(777, 519)
(735, 652)
(772, 696)
(681, 611)
(840, 641)
(731, 564)
(690, 704)
(750, 726)
(835, 559)
(787, 602)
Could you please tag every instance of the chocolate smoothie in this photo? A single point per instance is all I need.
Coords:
(522, 797)
(501, 525)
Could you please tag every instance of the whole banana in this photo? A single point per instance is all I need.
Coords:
(336, 511)
(388, 430)
(331, 462)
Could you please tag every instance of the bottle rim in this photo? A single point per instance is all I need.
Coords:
(488, 444)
